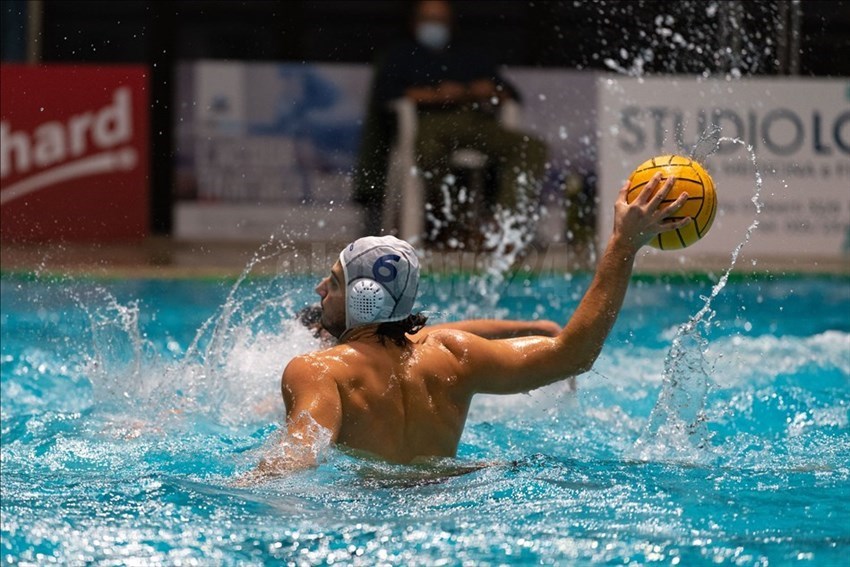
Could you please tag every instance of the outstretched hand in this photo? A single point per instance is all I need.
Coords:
(638, 222)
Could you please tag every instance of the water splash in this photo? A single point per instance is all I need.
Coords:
(677, 425)
(288, 451)
(119, 352)
(228, 375)
(715, 38)
(503, 241)
(708, 143)
(217, 324)
(231, 369)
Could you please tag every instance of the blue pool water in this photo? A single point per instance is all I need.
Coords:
(128, 407)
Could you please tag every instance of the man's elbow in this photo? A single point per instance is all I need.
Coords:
(586, 348)
(585, 362)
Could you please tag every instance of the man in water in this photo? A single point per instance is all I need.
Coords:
(380, 393)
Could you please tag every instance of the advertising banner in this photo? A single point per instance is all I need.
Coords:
(73, 152)
(799, 134)
(269, 132)
(262, 146)
(559, 107)
(274, 142)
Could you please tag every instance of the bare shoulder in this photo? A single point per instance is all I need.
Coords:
(312, 367)
(454, 341)
(309, 377)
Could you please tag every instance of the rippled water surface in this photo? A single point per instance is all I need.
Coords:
(128, 407)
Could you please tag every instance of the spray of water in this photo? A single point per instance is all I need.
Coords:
(513, 232)
(505, 240)
(229, 374)
(676, 427)
(118, 348)
(705, 38)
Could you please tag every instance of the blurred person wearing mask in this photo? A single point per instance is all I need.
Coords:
(457, 90)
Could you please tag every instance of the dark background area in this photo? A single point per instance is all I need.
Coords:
(568, 33)
(809, 38)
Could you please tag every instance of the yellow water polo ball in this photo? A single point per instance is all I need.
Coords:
(691, 178)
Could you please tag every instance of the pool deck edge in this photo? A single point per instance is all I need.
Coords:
(161, 257)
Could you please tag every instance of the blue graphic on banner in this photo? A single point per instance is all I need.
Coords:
(319, 142)
(269, 133)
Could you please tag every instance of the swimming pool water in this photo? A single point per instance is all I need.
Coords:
(128, 407)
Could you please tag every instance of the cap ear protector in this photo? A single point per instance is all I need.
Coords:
(367, 301)
(381, 280)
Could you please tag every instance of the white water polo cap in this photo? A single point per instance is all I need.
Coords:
(381, 280)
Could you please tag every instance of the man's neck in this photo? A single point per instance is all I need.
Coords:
(365, 333)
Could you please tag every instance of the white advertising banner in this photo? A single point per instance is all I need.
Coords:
(265, 145)
(799, 131)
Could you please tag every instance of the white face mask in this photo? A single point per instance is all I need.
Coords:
(433, 35)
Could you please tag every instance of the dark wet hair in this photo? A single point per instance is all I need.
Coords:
(311, 317)
(397, 331)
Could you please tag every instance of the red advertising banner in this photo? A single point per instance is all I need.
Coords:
(73, 152)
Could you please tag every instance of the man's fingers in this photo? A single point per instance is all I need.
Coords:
(672, 207)
(646, 192)
(624, 191)
(680, 201)
(672, 224)
(666, 219)
(663, 192)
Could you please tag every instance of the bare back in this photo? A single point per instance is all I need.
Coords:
(398, 402)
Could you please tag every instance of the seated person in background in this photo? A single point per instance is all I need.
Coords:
(457, 91)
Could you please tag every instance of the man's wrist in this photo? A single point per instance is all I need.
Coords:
(623, 247)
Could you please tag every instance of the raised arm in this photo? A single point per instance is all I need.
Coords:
(519, 365)
(496, 328)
